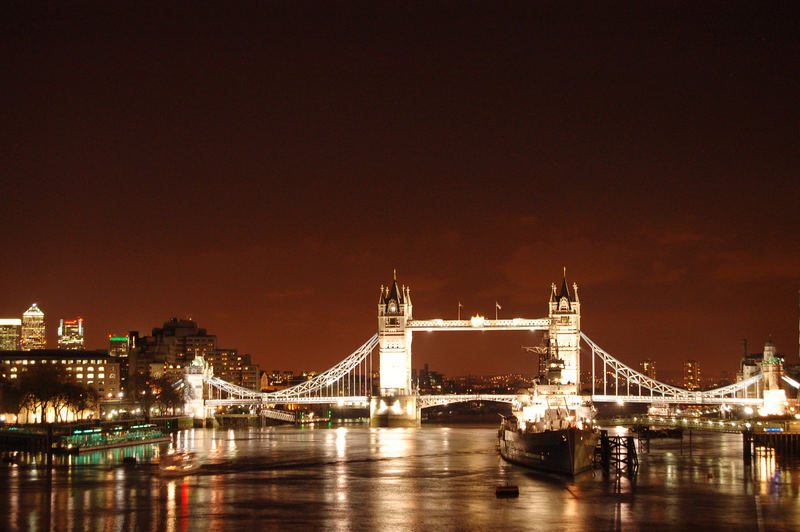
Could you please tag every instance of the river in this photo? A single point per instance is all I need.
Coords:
(359, 478)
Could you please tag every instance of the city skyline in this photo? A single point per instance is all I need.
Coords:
(266, 173)
(673, 373)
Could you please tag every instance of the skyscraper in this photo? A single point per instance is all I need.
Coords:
(33, 329)
(691, 375)
(70, 334)
(118, 346)
(10, 330)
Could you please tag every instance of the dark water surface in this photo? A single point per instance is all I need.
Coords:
(357, 478)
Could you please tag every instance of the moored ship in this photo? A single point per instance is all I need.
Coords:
(551, 426)
(549, 432)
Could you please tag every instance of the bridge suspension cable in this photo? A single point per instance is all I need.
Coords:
(659, 391)
(350, 380)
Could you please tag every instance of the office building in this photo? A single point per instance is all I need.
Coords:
(10, 332)
(118, 346)
(33, 329)
(691, 375)
(94, 368)
(648, 368)
(70, 334)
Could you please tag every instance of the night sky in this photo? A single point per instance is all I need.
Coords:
(264, 167)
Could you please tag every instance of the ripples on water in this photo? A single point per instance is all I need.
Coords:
(359, 478)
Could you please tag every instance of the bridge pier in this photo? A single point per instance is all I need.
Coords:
(394, 411)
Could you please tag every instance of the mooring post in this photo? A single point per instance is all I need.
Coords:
(605, 450)
(747, 447)
(49, 448)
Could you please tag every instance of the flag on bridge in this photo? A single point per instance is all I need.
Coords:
(496, 304)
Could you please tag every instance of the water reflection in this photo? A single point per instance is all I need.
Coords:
(387, 479)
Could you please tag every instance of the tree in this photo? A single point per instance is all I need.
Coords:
(44, 385)
(12, 397)
(80, 397)
(166, 394)
(142, 393)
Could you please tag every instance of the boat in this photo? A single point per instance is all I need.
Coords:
(178, 464)
(84, 440)
(550, 429)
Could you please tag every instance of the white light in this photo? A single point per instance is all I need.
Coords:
(748, 411)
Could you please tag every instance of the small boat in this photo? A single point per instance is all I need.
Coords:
(178, 464)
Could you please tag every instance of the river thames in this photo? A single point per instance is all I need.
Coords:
(359, 478)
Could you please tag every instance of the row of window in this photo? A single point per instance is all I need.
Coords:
(45, 361)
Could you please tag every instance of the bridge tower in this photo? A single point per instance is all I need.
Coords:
(395, 405)
(565, 331)
(193, 375)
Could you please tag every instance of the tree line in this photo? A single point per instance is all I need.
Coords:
(41, 388)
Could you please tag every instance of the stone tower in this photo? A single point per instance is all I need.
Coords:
(193, 378)
(395, 405)
(565, 331)
(394, 310)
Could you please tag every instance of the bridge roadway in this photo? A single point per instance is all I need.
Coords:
(694, 424)
(426, 401)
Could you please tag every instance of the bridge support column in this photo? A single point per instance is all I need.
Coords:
(193, 378)
(394, 411)
(395, 406)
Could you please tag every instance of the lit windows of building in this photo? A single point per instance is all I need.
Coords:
(33, 329)
(10, 332)
(691, 375)
(70, 334)
(648, 368)
(118, 346)
(103, 375)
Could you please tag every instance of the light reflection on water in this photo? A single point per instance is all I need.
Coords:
(392, 479)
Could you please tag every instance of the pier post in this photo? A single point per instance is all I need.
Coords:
(747, 450)
(605, 450)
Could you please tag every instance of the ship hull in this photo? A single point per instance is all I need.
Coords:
(568, 451)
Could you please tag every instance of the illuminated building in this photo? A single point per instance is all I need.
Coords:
(691, 375)
(118, 346)
(10, 331)
(235, 368)
(169, 349)
(648, 367)
(70, 334)
(33, 329)
(93, 368)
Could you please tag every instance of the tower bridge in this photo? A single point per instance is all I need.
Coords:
(386, 386)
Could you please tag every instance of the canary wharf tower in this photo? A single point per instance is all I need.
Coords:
(33, 331)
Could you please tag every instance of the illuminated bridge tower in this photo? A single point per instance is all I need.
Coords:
(565, 331)
(395, 405)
